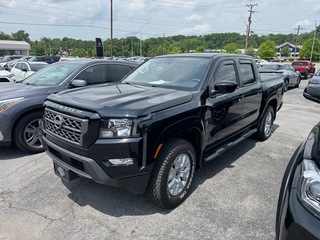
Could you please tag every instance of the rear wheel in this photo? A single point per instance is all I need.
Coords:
(28, 132)
(266, 124)
(172, 175)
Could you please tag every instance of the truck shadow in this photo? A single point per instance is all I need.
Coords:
(11, 152)
(118, 202)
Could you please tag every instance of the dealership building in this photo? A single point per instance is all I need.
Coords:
(9, 47)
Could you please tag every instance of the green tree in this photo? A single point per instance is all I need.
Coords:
(21, 36)
(200, 49)
(306, 49)
(232, 48)
(251, 51)
(175, 50)
(4, 36)
(267, 49)
(285, 52)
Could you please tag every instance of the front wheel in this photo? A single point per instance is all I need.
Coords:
(266, 124)
(27, 134)
(172, 175)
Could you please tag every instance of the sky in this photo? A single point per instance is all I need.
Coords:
(86, 20)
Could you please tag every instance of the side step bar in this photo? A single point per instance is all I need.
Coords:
(229, 145)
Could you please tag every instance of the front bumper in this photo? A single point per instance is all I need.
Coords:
(5, 129)
(71, 162)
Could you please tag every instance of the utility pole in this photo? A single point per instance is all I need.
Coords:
(295, 48)
(249, 25)
(314, 37)
(111, 29)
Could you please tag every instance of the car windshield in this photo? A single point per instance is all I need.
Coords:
(52, 75)
(36, 67)
(299, 64)
(183, 73)
(272, 67)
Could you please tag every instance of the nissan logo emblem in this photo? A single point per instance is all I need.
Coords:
(58, 121)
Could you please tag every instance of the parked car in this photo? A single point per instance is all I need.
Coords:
(5, 59)
(312, 91)
(298, 211)
(305, 67)
(21, 70)
(150, 132)
(21, 103)
(261, 62)
(6, 76)
(9, 65)
(291, 77)
(47, 59)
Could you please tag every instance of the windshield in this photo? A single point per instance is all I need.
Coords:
(299, 64)
(52, 75)
(183, 73)
(36, 67)
(272, 67)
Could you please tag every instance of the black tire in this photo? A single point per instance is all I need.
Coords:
(174, 167)
(266, 124)
(27, 133)
(286, 85)
(298, 82)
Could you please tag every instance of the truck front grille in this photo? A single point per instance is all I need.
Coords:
(69, 128)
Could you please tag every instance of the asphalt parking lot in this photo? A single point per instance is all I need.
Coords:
(233, 197)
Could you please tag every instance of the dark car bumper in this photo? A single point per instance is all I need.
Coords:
(93, 163)
(5, 129)
(312, 92)
(294, 220)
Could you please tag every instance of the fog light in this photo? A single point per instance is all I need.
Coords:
(121, 161)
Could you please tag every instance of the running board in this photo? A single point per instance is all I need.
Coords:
(229, 145)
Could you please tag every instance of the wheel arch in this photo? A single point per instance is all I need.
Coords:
(190, 129)
(21, 116)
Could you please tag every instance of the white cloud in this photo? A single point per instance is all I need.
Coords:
(194, 17)
(196, 30)
(306, 23)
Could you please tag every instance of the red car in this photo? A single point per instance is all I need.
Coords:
(305, 67)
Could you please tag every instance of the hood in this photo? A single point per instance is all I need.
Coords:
(122, 99)
(4, 73)
(314, 80)
(15, 90)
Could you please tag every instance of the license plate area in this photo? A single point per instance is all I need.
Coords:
(64, 174)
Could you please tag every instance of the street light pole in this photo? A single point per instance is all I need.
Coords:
(141, 37)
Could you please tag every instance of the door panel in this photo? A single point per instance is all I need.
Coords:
(224, 112)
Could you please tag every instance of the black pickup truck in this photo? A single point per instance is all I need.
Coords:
(150, 132)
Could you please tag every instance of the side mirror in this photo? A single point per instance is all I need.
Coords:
(24, 70)
(224, 86)
(78, 83)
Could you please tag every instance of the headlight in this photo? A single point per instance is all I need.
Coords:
(5, 104)
(310, 185)
(115, 128)
(314, 81)
(10, 75)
